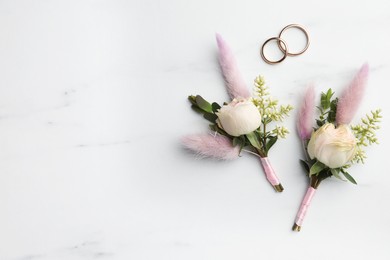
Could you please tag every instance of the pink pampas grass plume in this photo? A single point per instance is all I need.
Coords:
(235, 83)
(350, 99)
(210, 145)
(306, 114)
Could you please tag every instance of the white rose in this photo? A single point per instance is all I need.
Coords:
(239, 117)
(332, 146)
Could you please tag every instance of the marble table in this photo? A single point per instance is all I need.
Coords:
(93, 105)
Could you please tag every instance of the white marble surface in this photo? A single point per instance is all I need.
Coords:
(93, 103)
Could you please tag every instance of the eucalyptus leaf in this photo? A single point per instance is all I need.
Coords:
(254, 140)
(203, 104)
(317, 167)
(349, 177)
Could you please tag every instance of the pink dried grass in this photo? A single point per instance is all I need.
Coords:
(306, 114)
(235, 83)
(210, 145)
(350, 99)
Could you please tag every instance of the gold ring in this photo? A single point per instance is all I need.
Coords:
(284, 50)
(300, 27)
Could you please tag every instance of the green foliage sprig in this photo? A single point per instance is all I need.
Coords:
(365, 133)
(327, 108)
(270, 111)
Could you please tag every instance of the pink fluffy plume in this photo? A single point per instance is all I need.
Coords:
(352, 96)
(235, 83)
(210, 145)
(306, 114)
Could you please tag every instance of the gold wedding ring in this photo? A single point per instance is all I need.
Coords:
(297, 26)
(283, 45)
(284, 50)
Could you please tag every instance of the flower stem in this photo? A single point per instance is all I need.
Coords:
(304, 145)
(315, 181)
(270, 174)
(278, 188)
(264, 138)
(303, 208)
(296, 227)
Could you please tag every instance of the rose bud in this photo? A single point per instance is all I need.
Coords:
(332, 146)
(239, 117)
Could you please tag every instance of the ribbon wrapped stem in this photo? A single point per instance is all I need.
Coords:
(270, 174)
(303, 208)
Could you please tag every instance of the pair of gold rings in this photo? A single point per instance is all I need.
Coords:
(283, 45)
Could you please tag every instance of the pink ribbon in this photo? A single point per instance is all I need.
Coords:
(269, 171)
(305, 205)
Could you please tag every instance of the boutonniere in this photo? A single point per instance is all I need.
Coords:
(334, 144)
(246, 123)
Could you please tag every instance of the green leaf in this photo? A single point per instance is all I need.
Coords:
(240, 141)
(237, 141)
(329, 94)
(214, 127)
(210, 116)
(332, 111)
(336, 173)
(325, 103)
(244, 141)
(319, 122)
(215, 107)
(254, 140)
(325, 99)
(331, 117)
(349, 177)
(192, 99)
(203, 104)
(271, 141)
(317, 167)
(305, 165)
(333, 104)
(197, 109)
(320, 109)
(261, 134)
